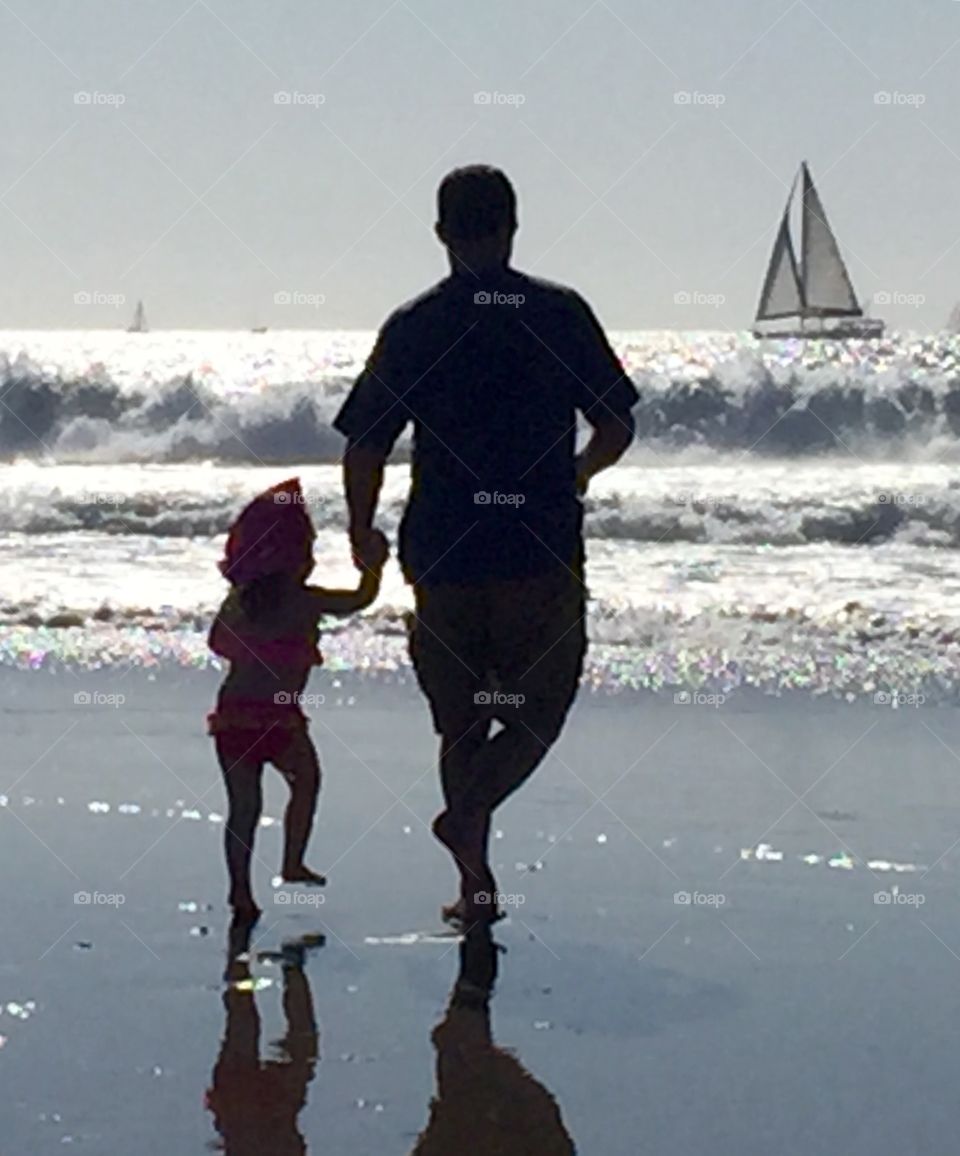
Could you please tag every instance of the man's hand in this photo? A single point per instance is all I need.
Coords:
(369, 548)
(612, 434)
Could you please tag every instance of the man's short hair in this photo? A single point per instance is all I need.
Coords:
(475, 202)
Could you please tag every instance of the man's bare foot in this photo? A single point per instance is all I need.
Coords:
(302, 874)
(245, 911)
(465, 914)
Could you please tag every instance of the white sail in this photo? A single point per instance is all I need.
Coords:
(827, 289)
(782, 293)
(139, 320)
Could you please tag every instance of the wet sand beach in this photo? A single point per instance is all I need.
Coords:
(698, 952)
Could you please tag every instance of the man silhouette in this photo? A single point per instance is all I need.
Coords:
(491, 366)
(486, 1101)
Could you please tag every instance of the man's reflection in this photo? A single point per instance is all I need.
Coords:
(255, 1103)
(486, 1103)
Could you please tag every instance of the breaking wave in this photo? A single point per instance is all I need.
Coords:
(715, 392)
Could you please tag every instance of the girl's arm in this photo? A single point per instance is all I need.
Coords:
(349, 601)
(222, 638)
(326, 601)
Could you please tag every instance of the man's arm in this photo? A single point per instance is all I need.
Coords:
(372, 419)
(362, 480)
(606, 395)
(611, 437)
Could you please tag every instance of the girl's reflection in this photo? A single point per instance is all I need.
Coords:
(255, 1103)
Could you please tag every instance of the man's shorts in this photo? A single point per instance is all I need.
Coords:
(509, 649)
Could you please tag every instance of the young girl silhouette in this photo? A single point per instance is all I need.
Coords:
(267, 631)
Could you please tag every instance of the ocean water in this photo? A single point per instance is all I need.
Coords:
(789, 518)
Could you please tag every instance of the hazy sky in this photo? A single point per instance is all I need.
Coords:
(183, 181)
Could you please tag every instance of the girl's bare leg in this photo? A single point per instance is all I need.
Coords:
(245, 797)
(301, 768)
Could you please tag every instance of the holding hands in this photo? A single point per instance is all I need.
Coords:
(369, 548)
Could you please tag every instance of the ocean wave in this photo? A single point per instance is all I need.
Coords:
(852, 653)
(930, 518)
(719, 392)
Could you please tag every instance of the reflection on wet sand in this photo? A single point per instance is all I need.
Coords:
(255, 1103)
(486, 1101)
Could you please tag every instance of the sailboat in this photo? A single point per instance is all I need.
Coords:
(139, 323)
(815, 295)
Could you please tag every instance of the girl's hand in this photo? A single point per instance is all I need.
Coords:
(370, 550)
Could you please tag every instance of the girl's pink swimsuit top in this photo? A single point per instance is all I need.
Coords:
(295, 651)
(236, 712)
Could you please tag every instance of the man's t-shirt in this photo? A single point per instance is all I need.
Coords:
(492, 379)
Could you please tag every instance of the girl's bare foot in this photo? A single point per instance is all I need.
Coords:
(302, 874)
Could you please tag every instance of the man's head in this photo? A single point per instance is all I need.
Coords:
(477, 217)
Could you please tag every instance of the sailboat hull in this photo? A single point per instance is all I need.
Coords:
(849, 329)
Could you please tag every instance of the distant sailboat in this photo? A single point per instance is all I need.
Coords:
(259, 329)
(818, 288)
(139, 324)
(953, 322)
